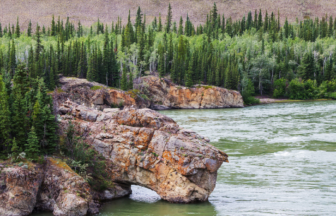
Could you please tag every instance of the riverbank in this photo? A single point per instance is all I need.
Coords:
(268, 100)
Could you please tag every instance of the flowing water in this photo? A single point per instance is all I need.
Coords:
(282, 161)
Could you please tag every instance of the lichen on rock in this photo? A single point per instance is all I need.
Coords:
(149, 149)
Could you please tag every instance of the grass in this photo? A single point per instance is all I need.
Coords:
(133, 93)
(60, 164)
(94, 88)
(207, 87)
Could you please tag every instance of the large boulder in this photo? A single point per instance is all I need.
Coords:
(19, 188)
(53, 186)
(165, 94)
(149, 149)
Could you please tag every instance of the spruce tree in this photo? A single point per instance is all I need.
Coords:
(16, 150)
(5, 123)
(130, 81)
(169, 19)
(188, 79)
(17, 29)
(123, 82)
(32, 147)
(180, 29)
(29, 29)
(160, 23)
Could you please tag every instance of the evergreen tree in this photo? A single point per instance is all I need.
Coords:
(5, 123)
(29, 29)
(160, 24)
(130, 81)
(329, 72)
(307, 67)
(15, 148)
(32, 147)
(17, 29)
(180, 29)
(188, 79)
(169, 19)
(123, 82)
(39, 46)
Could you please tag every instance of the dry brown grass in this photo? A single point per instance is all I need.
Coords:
(108, 10)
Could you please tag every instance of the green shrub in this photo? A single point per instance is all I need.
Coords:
(302, 90)
(296, 90)
(86, 161)
(280, 88)
(248, 93)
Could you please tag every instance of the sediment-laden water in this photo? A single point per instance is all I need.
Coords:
(282, 161)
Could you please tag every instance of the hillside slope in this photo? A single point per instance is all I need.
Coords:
(108, 10)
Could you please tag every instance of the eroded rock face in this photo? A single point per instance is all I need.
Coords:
(63, 191)
(165, 94)
(50, 187)
(18, 190)
(149, 149)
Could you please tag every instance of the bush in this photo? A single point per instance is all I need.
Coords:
(296, 90)
(247, 94)
(87, 162)
(280, 88)
(303, 90)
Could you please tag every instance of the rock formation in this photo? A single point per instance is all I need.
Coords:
(149, 149)
(52, 186)
(96, 95)
(164, 95)
(151, 92)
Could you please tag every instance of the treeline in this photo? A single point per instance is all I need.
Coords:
(246, 55)
(27, 123)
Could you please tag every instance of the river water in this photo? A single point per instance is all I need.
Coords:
(282, 161)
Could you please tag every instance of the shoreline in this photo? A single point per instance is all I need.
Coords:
(269, 100)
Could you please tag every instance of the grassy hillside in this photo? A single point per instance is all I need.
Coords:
(108, 10)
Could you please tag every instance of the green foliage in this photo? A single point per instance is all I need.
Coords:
(220, 52)
(32, 145)
(279, 88)
(303, 90)
(248, 93)
(84, 160)
(94, 88)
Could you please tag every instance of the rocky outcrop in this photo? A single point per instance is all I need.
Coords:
(63, 191)
(53, 186)
(18, 189)
(96, 95)
(149, 149)
(151, 92)
(164, 95)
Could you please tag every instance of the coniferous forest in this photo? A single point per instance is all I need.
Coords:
(254, 55)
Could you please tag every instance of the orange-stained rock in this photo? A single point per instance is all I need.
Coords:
(164, 94)
(101, 96)
(149, 149)
(160, 94)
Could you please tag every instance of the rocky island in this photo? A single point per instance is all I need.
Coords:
(141, 147)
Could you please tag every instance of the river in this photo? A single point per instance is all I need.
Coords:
(282, 161)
